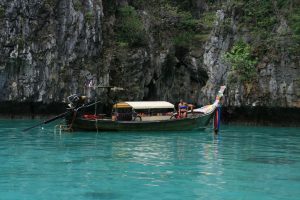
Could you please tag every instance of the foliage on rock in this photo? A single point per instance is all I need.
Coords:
(242, 61)
(2, 12)
(130, 28)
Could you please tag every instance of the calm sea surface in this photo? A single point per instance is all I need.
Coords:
(241, 163)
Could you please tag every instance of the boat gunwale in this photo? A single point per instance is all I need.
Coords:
(147, 122)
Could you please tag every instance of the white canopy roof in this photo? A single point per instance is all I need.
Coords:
(149, 104)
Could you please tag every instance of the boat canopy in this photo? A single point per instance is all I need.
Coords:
(144, 104)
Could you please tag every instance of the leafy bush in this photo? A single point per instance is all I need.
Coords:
(187, 22)
(182, 25)
(130, 27)
(258, 16)
(208, 19)
(242, 62)
(184, 39)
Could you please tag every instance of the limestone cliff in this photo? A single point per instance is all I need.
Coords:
(156, 50)
(49, 48)
(277, 70)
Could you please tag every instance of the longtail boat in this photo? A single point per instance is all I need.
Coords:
(145, 116)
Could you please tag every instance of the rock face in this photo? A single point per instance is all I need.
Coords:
(50, 49)
(215, 47)
(277, 83)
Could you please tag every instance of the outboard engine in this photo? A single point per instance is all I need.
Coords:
(75, 101)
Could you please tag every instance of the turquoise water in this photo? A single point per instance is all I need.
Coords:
(241, 163)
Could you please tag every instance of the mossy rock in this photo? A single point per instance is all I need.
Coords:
(51, 3)
(89, 17)
(78, 5)
(2, 12)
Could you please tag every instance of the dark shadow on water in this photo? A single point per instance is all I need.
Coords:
(273, 161)
(102, 195)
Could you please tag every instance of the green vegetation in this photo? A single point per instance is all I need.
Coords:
(185, 26)
(51, 3)
(187, 21)
(2, 12)
(184, 39)
(262, 19)
(174, 18)
(130, 28)
(260, 16)
(294, 22)
(201, 37)
(122, 44)
(109, 7)
(138, 4)
(208, 19)
(89, 17)
(77, 5)
(259, 19)
(183, 4)
(242, 61)
(21, 42)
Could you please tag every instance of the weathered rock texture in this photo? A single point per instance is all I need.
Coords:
(50, 49)
(277, 83)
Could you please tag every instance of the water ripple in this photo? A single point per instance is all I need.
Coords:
(240, 163)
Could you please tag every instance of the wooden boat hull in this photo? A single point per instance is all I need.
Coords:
(127, 112)
(195, 122)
